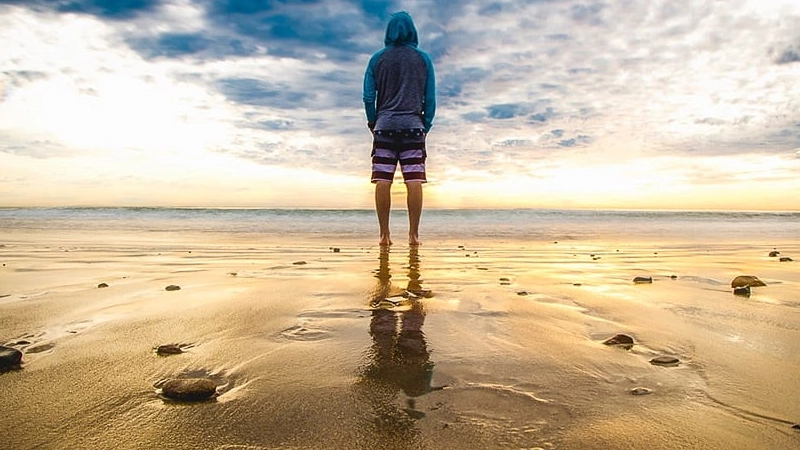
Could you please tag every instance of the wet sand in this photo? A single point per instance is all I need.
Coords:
(315, 343)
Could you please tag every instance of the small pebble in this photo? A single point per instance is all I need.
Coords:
(643, 280)
(102, 285)
(299, 263)
(336, 249)
(189, 389)
(522, 293)
(640, 391)
(785, 259)
(674, 277)
(173, 287)
(620, 340)
(169, 349)
(666, 361)
(796, 426)
(743, 291)
(774, 253)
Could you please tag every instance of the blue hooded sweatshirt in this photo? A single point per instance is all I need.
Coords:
(399, 83)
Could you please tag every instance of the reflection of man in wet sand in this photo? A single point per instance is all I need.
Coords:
(400, 360)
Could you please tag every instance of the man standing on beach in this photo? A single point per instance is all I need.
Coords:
(400, 102)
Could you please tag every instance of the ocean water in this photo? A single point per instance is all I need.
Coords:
(503, 224)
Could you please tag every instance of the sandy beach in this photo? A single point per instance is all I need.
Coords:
(317, 342)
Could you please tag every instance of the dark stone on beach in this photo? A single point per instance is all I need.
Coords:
(796, 426)
(746, 280)
(774, 253)
(640, 391)
(173, 287)
(299, 263)
(743, 291)
(102, 285)
(522, 293)
(674, 277)
(10, 358)
(336, 249)
(666, 361)
(785, 259)
(418, 293)
(169, 349)
(643, 280)
(189, 389)
(620, 340)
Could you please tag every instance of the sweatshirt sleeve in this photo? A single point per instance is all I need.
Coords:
(369, 92)
(429, 108)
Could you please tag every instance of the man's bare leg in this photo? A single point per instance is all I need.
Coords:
(414, 203)
(383, 206)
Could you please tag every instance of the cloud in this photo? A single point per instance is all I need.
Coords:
(110, 9)
(507, 110)
(279, 81)
(788, 56)
(308, 29)
(249, 91)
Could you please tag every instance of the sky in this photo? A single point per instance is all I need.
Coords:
(628, 104)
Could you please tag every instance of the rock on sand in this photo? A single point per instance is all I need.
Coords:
(10, 358)
(189, 389)
(169, 349)
(620, 340)
(667, 361)
(746, 280)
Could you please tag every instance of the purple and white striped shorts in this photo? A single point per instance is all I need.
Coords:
(404, 146)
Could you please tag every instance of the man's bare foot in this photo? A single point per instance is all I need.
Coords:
(413, 240)
(385, 241)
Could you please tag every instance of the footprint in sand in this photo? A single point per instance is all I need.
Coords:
(303, 331)
(44, 342)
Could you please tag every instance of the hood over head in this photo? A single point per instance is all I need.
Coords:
(401, 30)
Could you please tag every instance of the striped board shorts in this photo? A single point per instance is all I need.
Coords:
(404, 146)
